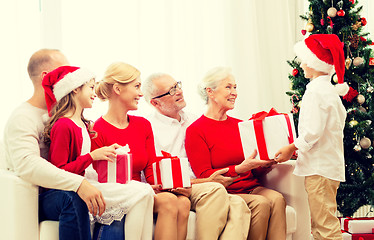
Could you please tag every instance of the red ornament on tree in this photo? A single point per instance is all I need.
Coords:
(362, 39)
(303, 31)
(363, 21)
(322, 22)
(352, 1)
(340, 13)
(295, 72)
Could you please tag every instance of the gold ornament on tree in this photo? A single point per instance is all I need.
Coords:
(358, 61)
(365, 143)
(348, 63)
(353, 123)
(360, 99)
(332, 12)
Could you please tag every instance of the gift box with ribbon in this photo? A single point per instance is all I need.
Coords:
(120, 170)
(362, 225)
(357, 236)
(171, 172)
(267, 133)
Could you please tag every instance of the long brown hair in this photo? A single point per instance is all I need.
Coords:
(63, 107)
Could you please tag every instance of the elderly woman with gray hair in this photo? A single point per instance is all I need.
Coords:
(213, 142)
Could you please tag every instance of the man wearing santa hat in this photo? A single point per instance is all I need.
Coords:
(26, 154)
(321, 124)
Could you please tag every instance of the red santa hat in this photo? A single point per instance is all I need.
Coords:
(61, 81)
(324, 53)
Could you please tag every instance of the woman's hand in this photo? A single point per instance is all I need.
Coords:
(105, 153)
(182, 191)
(252, 163)
(217, 176)
(156, 188)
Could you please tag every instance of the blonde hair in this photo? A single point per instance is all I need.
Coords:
(212, 79)
(118, 72)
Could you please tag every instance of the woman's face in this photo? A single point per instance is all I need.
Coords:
(130, 94)
(225, 94)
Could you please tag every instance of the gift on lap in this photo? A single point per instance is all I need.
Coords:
(171, 171)
(267, 132)
(118, 171)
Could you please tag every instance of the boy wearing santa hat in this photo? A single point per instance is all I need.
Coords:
(321, 123)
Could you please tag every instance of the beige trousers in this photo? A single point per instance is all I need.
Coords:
(268, 220)
(322, 204)
(219, 215)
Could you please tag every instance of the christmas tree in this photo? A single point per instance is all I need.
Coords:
(342, 17)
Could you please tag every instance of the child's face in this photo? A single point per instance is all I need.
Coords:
(308, 72)
(86, 94)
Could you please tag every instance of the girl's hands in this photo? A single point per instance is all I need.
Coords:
(105, 153)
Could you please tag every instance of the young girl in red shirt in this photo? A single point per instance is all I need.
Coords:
(69, 90)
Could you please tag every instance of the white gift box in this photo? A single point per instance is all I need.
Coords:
(172, 173)
(357, 225)
(277, 130)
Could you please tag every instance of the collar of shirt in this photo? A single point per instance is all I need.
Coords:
(169, 120)
(315, 83)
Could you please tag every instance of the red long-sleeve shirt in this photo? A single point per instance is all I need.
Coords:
(66, 147)
(138, 135)
(212, 145)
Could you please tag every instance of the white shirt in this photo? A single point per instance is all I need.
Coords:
(321, 123)
(169, 134)
(26, 154)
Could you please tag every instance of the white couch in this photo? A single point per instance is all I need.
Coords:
(19, 206)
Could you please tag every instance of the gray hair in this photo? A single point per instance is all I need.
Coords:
(148, 86)
(212, 79)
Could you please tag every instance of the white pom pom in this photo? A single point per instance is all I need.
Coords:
(342, 89)
(45, 118)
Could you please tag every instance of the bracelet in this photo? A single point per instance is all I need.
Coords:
(232, 171)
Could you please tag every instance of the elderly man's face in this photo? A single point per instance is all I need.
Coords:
(169, 105)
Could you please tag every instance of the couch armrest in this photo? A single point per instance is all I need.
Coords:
(282, 179)
(18, 207)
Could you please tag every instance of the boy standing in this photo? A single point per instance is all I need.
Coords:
(321, 123)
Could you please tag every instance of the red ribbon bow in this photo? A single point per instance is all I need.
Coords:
(259, 130)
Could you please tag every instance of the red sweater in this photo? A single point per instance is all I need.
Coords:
(212, 145)
(66, 147)
(138, 135)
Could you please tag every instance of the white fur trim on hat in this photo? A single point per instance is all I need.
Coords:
(342, 88)
(311, 60)
(71, 81)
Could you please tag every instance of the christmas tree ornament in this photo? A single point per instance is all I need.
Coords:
(358, 61)
(368, 122)
(309, 27)
(332, 12)
(303, 31)
(363, 21)
(354, 40)
(371, 61)
(335, 78)
(370, 89)
(356, 26)
(357, 147)
(340, 13)
(352, 1)
(322, 22)
(360, 99)
(362, 109)
(348, 63)
(295, 72)
(353, 123)
(365, 143)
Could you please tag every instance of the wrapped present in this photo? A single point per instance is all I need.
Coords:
(267, 133)
(171, 171)
(357, 236)
(357, 225)
(120, 170)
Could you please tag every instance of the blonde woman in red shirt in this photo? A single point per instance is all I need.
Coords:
(213, 142)
(121, 86)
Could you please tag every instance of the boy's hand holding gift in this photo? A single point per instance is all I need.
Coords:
(266, 133)
(285, 153)
(171, 172)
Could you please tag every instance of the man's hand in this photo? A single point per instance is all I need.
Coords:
(92, 197)
(285, 153)
(218, 177)
(182, 191)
